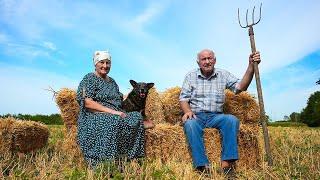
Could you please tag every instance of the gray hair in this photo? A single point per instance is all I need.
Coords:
(208, 50)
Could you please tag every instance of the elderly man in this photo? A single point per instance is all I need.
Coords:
(201, 100)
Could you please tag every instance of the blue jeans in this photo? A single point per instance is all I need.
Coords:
(228, 126)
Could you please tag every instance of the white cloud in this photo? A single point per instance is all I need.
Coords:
(49, 45)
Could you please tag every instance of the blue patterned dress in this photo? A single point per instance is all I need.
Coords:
(104, 136)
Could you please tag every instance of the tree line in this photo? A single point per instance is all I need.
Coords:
(309, 115)
(46, 119)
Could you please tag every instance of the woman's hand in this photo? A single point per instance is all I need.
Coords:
(121, 114)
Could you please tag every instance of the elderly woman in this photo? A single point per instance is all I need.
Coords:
(105, 131)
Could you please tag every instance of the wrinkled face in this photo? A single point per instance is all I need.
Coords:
(206, 62)
(103, 67)
(141, 88)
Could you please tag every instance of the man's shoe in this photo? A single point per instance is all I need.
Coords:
(204, 170)
(229, 172)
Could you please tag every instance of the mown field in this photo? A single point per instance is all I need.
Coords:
(295, 151)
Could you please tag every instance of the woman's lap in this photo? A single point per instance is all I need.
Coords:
(106, 136)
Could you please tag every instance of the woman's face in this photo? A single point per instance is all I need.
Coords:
(103, 67)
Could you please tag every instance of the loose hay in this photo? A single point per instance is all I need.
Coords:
(69, 107)
(22, 136)
(168, 142)
(154, 108)
(171, 106)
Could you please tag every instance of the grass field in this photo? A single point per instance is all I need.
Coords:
(295, 151)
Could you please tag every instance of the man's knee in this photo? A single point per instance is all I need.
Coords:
(232, 120)
(190, 124)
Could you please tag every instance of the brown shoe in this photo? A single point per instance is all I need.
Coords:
(148, 124)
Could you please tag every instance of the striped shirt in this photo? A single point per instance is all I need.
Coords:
(207, 94)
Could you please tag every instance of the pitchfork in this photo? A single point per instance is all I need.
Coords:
(258, 83)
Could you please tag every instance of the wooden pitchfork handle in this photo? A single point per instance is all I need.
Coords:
(260, 98)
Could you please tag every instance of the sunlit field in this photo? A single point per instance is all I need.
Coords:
(295, 151)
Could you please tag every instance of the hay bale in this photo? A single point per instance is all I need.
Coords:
(66, 99)
(70, 146)
(6, 135)
(154, 108)
(171, 106)
(242, 105)
(22, 136)
(168, 142)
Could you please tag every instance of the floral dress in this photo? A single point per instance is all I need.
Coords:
(104, 136)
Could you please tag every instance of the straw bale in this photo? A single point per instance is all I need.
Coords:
(168, 142)
(6, 134)
(69, 144)
(242, 105)
(170, 101)
(154, 109)
(69, 107)
(23, 136)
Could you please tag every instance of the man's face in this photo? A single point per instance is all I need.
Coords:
(206, 62)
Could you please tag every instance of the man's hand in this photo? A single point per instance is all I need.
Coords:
(254, 57)
(188, 115)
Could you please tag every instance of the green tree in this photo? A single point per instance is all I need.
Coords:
(310, 115)
(286, 118)
(295, 117)
(46, 119)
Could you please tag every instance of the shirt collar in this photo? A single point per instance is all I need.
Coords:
(214, 74)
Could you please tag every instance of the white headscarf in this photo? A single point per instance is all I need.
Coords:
(101, 55)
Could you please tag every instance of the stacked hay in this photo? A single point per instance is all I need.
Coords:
(242, 105)
(70, 146)
(154, 108)
(6, 126)
(69, 107)
(170, 101)
(22, 136)
(168, 142)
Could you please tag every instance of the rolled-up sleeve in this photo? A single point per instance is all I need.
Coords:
(232, 82)
(85, 90)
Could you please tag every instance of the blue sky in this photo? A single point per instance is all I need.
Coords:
(50, 43)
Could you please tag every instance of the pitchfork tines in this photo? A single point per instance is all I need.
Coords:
(253, 22)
